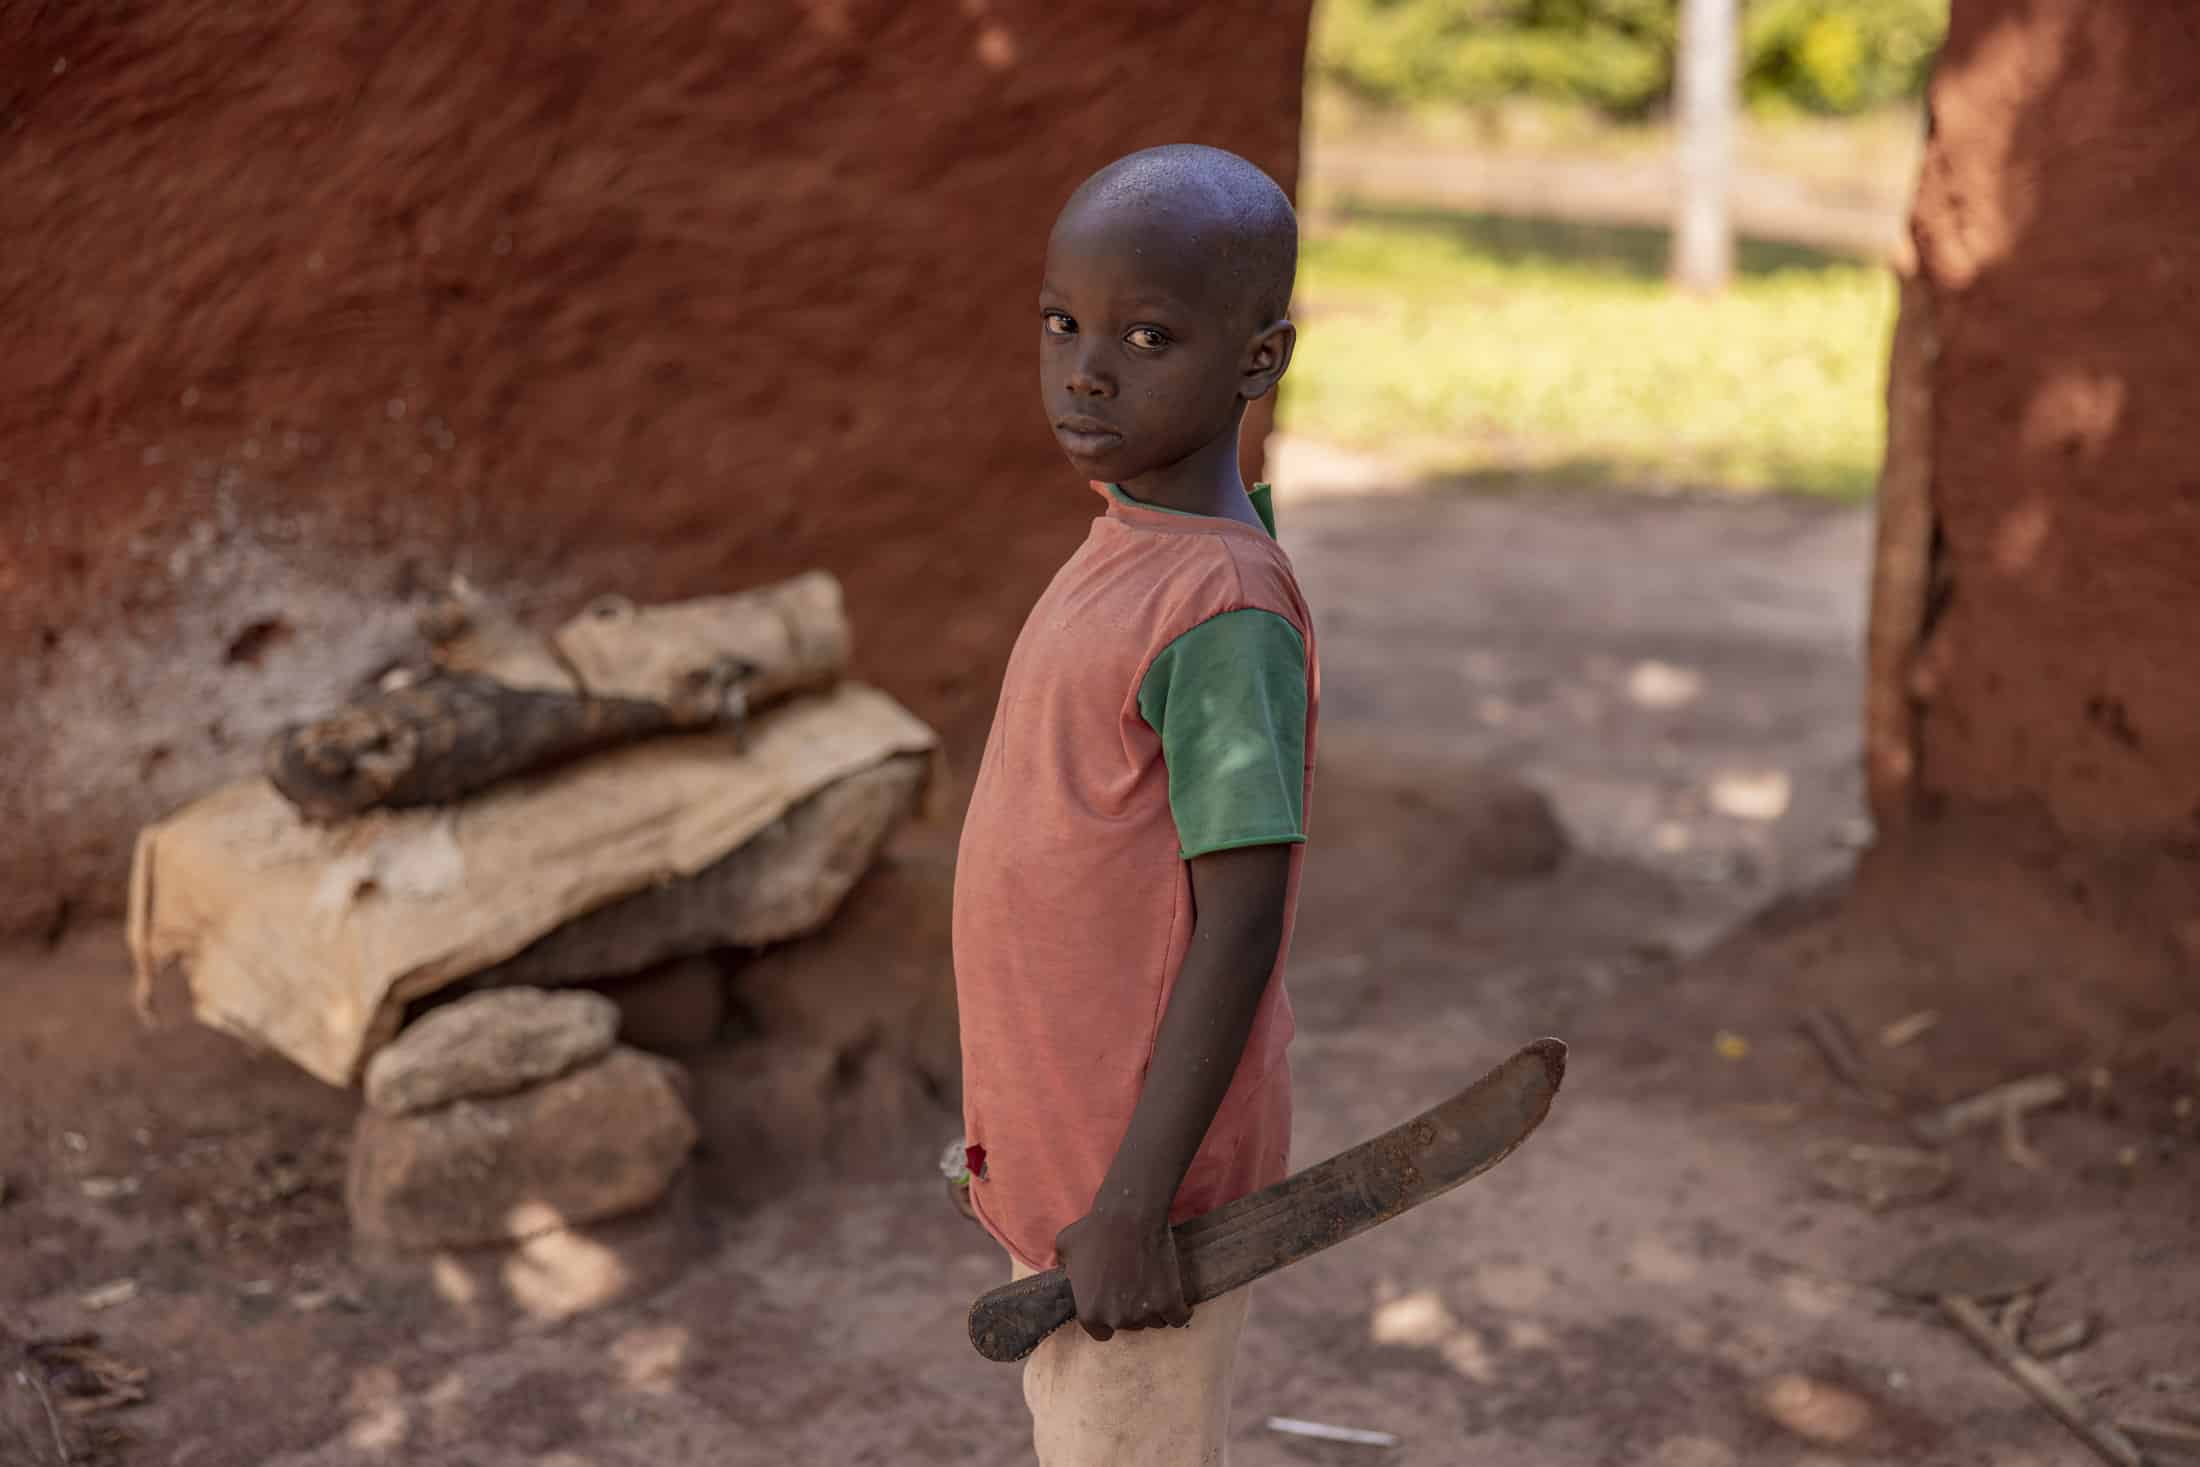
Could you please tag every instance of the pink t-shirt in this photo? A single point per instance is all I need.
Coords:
(1073, 908)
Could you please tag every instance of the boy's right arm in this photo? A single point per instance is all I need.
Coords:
(1121, 1256)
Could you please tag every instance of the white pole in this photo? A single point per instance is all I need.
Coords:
(1705, 85)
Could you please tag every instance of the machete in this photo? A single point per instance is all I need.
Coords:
(1314, 1209)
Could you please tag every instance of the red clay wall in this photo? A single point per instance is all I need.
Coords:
(2058, 233)
(308, 306)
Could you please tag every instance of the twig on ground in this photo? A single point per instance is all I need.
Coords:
(2063, 1338)
(2015, 1314)
(107, 1296)
(2014, 1143)
(89, 1379)
(1831, 1036)
(1987, 1107)
(1321, 1431)
(2111, 1444)
(30, 1378)
(2172, 1436)
(1913, 1026)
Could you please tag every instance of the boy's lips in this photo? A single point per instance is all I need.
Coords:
(1085, 435)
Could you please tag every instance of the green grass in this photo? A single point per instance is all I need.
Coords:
(1480, 347)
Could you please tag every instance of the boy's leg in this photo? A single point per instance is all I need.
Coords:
(1146, 1398)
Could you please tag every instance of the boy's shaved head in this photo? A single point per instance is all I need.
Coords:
(1243, 222)
(1162, 315)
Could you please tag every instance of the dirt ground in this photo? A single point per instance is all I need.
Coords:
(1655, 1279)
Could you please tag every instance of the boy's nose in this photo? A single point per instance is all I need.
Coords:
(1086, 379)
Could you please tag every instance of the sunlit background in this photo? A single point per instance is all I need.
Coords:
(1488, 194)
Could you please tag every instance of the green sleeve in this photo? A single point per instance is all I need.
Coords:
(1228, 699)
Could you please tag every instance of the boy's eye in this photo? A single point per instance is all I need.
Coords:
(1058, 324)
(1145, 338)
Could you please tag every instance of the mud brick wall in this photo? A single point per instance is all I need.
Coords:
(311, 306)
(2058, 451)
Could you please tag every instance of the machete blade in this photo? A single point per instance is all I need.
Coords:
(1356, 1189)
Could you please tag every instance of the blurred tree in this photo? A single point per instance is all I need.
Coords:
(1618, 56)
(1703, 226)
(1838, 55)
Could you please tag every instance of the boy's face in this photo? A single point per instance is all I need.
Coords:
(1146, 349)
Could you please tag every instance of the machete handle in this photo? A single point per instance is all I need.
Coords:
(1009, 1322)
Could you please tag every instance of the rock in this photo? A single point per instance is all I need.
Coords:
(786, 882)
(1975, 1267)
(489, 1044)
(880, 976)
(546, 1276)
(1880, 1176)
(776, 1112)
(600, 1142)
(672, 1008)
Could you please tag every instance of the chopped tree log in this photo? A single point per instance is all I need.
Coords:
(468, 634)
(447, 736)
(501, 702)
(787, 637)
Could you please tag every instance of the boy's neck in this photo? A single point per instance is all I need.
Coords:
(1205, 482)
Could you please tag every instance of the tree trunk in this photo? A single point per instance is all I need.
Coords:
(1703, 231)
(1902, 563)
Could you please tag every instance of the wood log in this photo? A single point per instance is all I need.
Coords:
(500, 702)
(780, 639)
(469, 634)
(446, 737)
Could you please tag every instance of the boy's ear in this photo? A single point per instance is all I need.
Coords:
(1267, 358)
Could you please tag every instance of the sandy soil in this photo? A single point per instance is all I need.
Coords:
(1654, 1280)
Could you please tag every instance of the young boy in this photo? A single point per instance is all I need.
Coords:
(1130, 863)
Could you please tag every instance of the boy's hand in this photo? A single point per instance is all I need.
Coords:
(1123, 1273)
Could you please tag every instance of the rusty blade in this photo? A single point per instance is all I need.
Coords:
(1446, 1145)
